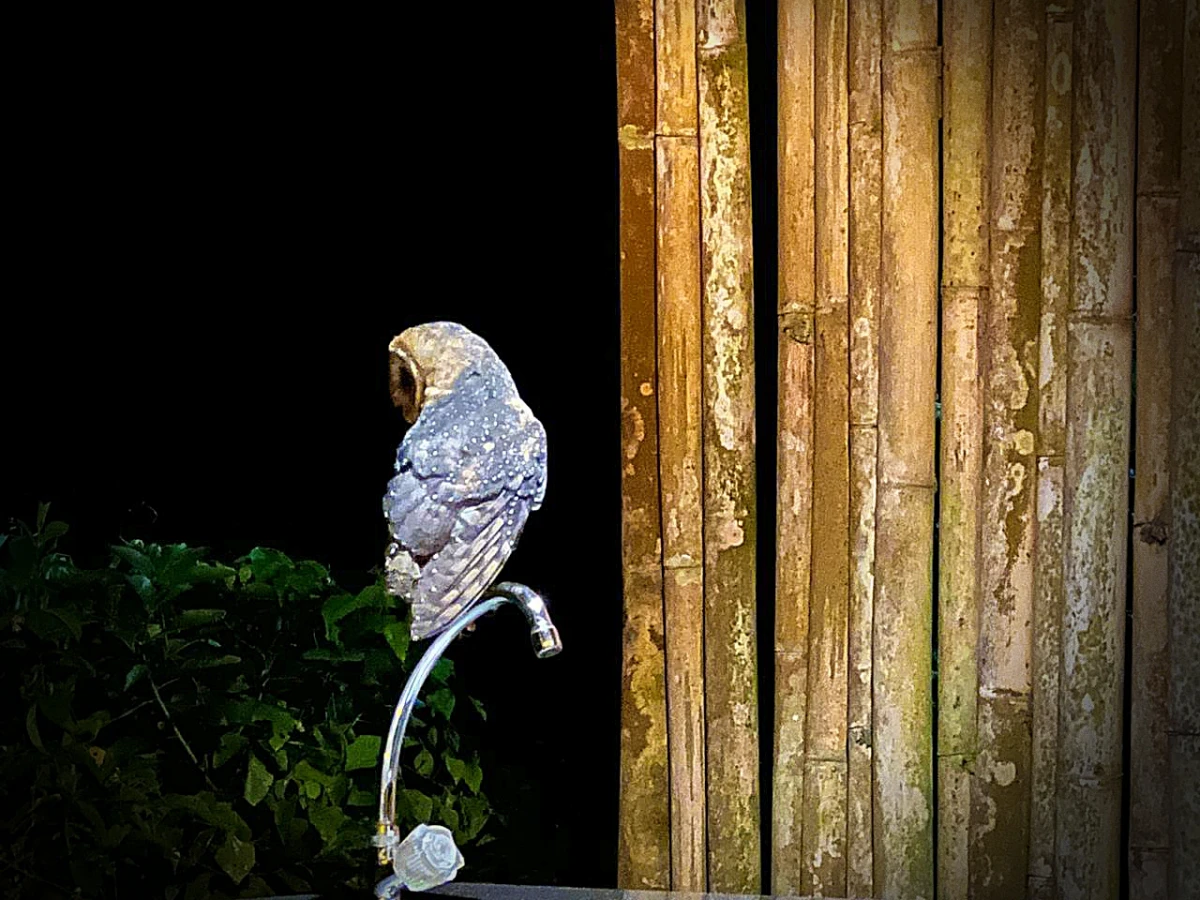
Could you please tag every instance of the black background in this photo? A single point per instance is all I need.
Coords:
(221, 222)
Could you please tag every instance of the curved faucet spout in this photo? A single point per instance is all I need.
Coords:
(546, 643)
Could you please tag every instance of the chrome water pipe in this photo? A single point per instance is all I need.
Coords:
(546, 643)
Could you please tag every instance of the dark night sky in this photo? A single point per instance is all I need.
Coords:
(221, 225)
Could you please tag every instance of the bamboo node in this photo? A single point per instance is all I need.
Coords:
(798, 326)
(631, 137)
(1155, 531)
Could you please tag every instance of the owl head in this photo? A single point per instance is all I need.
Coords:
(427, 359)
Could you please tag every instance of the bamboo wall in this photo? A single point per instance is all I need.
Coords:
(986, 670)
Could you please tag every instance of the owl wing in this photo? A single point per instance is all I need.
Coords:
(458, 506)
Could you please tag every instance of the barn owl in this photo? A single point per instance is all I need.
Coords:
(468, 472)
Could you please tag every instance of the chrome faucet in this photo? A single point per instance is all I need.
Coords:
(414, 868)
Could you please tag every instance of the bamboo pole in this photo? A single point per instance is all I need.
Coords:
(1099, 355)
(902, 701)
(865, 183)
(731, 705)
(1184, 544)
(643, 841)
(1000, 788)
(793, 545)
(824, 835)
(966, 91)
(680, 416)
(1160, 73)
(1051, 449)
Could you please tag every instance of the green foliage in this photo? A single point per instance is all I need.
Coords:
(189, 729)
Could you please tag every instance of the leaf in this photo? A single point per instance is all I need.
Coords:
(420, 805)
(424, 763)
(46, 626)
(307, 578)
(232, 744)
(442, 701)
(53, 531)
(267, 563)
(442, 671)
(456, 767)
(473, 776)
(339, 606)
(215, 812)
(31, 728)
(68, 618)
(142, 587)
(134, 558)
(305, 772)
(364, 752)
(359, 797)
(236, 857)
(448, 814)
(476, 814)
(191, 618)
(258, 781)
(135, 674)
(327, 820)
(43, 511)
(396, 633)
(479, 708)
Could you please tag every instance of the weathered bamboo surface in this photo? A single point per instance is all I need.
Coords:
(1099, 359)
(825, 796)
(864, 110)
(1159, 121)
(731, 665)
(1184, 542)
(966, 92)
(1000, 786)
(794, 440)
(680, 418)
(1059, 121)
(689, 805)
(1051, 452)
(903, 623)
(644, 841)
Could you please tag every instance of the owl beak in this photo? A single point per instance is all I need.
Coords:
(407, 381)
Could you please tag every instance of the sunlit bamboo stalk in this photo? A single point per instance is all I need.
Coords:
(794, 441)
(1184, 542)
(1160, 74)
(1051, 450)
(826, 729)
(966, 93)
(865, 184)
(731, 667)
(644, 839)
(680, 419)
(1099, 358)
(902, 710)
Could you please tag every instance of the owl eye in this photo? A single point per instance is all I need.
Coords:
(407, 383)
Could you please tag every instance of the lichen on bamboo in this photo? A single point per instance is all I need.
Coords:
(731, 705)
(643, 841)
(864, 39)
(1099, 359)
(966, 92)
(902, 703)
(794, 439)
